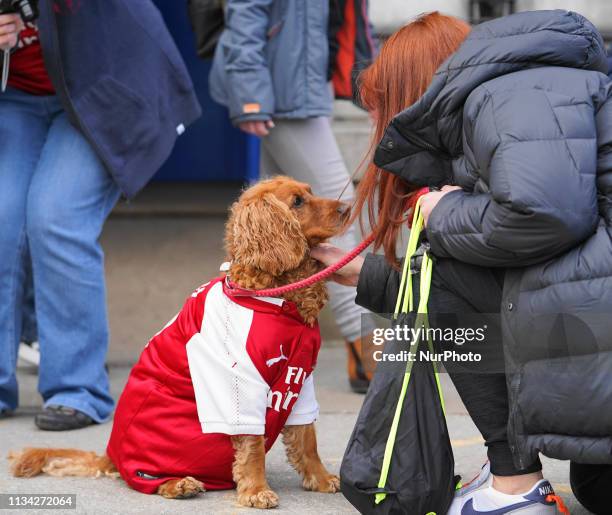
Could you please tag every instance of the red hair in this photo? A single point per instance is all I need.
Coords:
(397, 79)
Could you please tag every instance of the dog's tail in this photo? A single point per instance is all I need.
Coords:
(61, 462)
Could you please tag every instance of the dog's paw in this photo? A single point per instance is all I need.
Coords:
(264, 499)
(329, 483)
(181, 488)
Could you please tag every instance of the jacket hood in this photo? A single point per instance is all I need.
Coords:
(422, 140)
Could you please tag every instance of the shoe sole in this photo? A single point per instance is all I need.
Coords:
(43, 426)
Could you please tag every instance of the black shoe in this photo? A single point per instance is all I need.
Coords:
(61, 418)
(5, 413)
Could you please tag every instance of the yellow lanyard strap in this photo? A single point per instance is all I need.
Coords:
(405, 294)
(405, 289)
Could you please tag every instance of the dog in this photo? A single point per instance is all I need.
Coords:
(226, 376)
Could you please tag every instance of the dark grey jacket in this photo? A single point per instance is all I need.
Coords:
(520, 117)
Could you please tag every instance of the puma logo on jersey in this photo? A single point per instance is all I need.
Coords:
(273, 361)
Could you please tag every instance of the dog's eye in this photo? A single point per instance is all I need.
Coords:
(298, 201)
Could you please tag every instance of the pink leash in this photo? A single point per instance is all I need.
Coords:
(319, 276)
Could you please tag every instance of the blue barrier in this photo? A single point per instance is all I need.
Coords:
(211, 149)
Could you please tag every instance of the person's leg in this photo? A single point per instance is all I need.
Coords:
(590, 484)
(23, 129)
(29, 332)
(307, 151)
(70, 197)
(459, 288)
(267, 166)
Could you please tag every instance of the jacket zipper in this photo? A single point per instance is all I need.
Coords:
(515, 447)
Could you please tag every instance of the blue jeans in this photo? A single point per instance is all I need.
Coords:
(55, 195)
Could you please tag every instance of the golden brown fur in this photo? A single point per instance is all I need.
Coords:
(301, 448)
(60, 462)
(249, 472)
(181, 488)
(268, 236)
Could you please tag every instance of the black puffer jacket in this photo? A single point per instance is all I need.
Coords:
(520, 117)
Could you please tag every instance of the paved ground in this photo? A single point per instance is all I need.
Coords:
(339, 408)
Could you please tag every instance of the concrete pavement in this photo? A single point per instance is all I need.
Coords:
(339, 408)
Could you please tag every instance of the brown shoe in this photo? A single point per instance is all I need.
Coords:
(360, 368)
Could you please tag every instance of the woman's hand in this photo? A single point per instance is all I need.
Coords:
(328, 255)
(431, 199)
(10, 27)
(257, 127)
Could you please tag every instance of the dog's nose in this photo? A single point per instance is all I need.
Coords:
(343, 208)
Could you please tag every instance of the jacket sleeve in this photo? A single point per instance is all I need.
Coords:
(250, 91)
(378, 285)
(541, 199)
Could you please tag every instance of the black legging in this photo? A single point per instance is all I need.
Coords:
(591, 485)
(461, 288)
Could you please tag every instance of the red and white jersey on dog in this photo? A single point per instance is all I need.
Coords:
(225, 365)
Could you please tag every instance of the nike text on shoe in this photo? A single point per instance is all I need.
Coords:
(479, 498)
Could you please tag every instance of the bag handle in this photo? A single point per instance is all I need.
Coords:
(405, 289)
(405, 304)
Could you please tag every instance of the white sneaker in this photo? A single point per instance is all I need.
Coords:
(479, 498)
(29, 353)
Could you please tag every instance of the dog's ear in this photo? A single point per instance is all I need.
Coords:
(263, 233)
